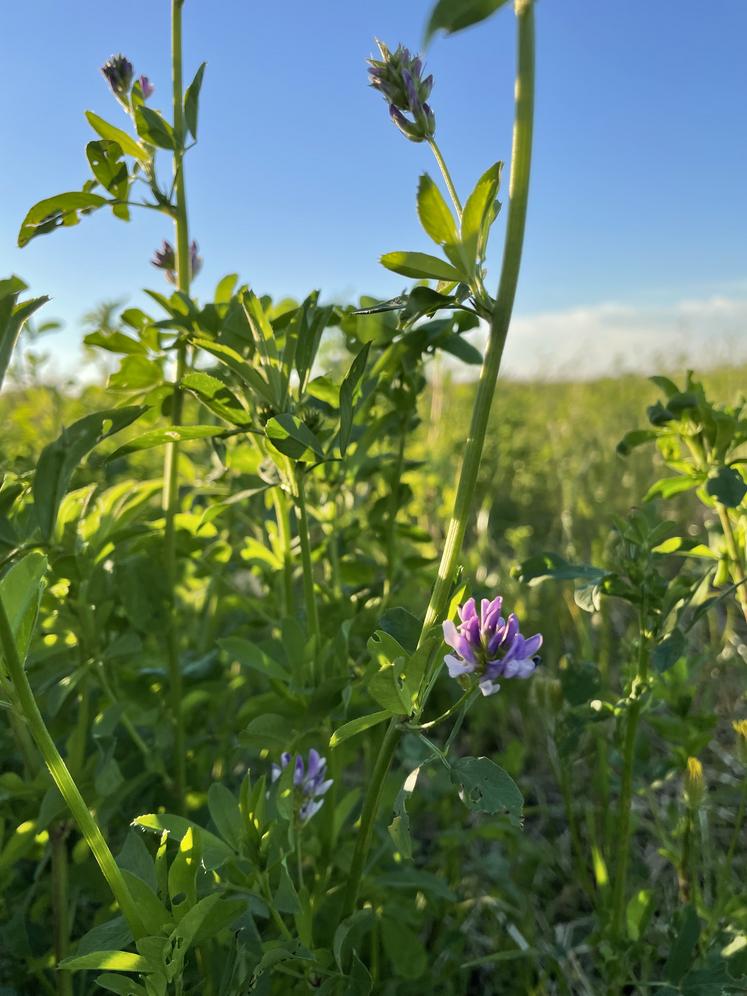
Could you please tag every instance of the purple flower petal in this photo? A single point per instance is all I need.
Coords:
(454, 639)
(468, 610)
(488, 687)
(457, 667)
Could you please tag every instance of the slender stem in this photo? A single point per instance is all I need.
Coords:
(391, 528)
(64, 780)
(282, 517)
(626, 791)
(447, 176)
(308, 575)
(738, 567)
(444, 715)
(521, 156)
(171, 461)
(58, 839)
(368, 817)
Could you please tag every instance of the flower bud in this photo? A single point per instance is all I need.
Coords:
(147, 87)
(118, 72)
(398, 77)
(165, 259)
(740, 728)
(694, 783)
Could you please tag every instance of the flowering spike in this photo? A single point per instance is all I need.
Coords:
(309, 782)
(488, 646)
(165, 259)
(118, 73)
(398, 77)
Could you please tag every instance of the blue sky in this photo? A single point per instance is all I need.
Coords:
(299, 180)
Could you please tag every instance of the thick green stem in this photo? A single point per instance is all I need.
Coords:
(518, 195)
(312, 614)
(171, 462)
(60, 901)
(64, 780)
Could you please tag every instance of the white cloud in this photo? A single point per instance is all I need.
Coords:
(615, 338)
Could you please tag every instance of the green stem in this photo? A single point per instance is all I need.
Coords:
(282, 517)
(64, 780)
(521, 157)
(447, 176)
(626, 791)
(58, 839)
(738, 567)
(391, 542)
(308, 574)
(171, 461)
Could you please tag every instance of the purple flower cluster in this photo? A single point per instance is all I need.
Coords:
(489, 646)
(119, 72)
(398, 77)
(165, 259)
(308, 781)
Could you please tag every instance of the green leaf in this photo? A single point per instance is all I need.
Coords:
(152, 911)
(668, 486)
(136, 372)
(52, 212)
(669, 651)
(158, 437)
(480, 211)
(728, 487)
(120, 961)
(243, 370)
(13, 317)
(225, 814)
(115, 342)
(486, 788)
(399, 828)
(59, 459)
(107, 165)
(347, 390)
(434, 213)
(404, 949)
(21, 590)
(637, 913)
(127, 144)
(249, 655)
(455, 15)
(421, 265)
(463, 350)
(217, 398)
(268, 730)
(120, 985)
(683, 949)
(215, 851)
(551, 566)
(291, 437)
(153, 128)
(636, 437)
(182, 877)
(191, 101)
(356, 726)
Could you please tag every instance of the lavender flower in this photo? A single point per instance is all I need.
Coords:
(398, 76)
(489, 646)
(118, 72)
(147, 87)
(165, 259)
(308, 781)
